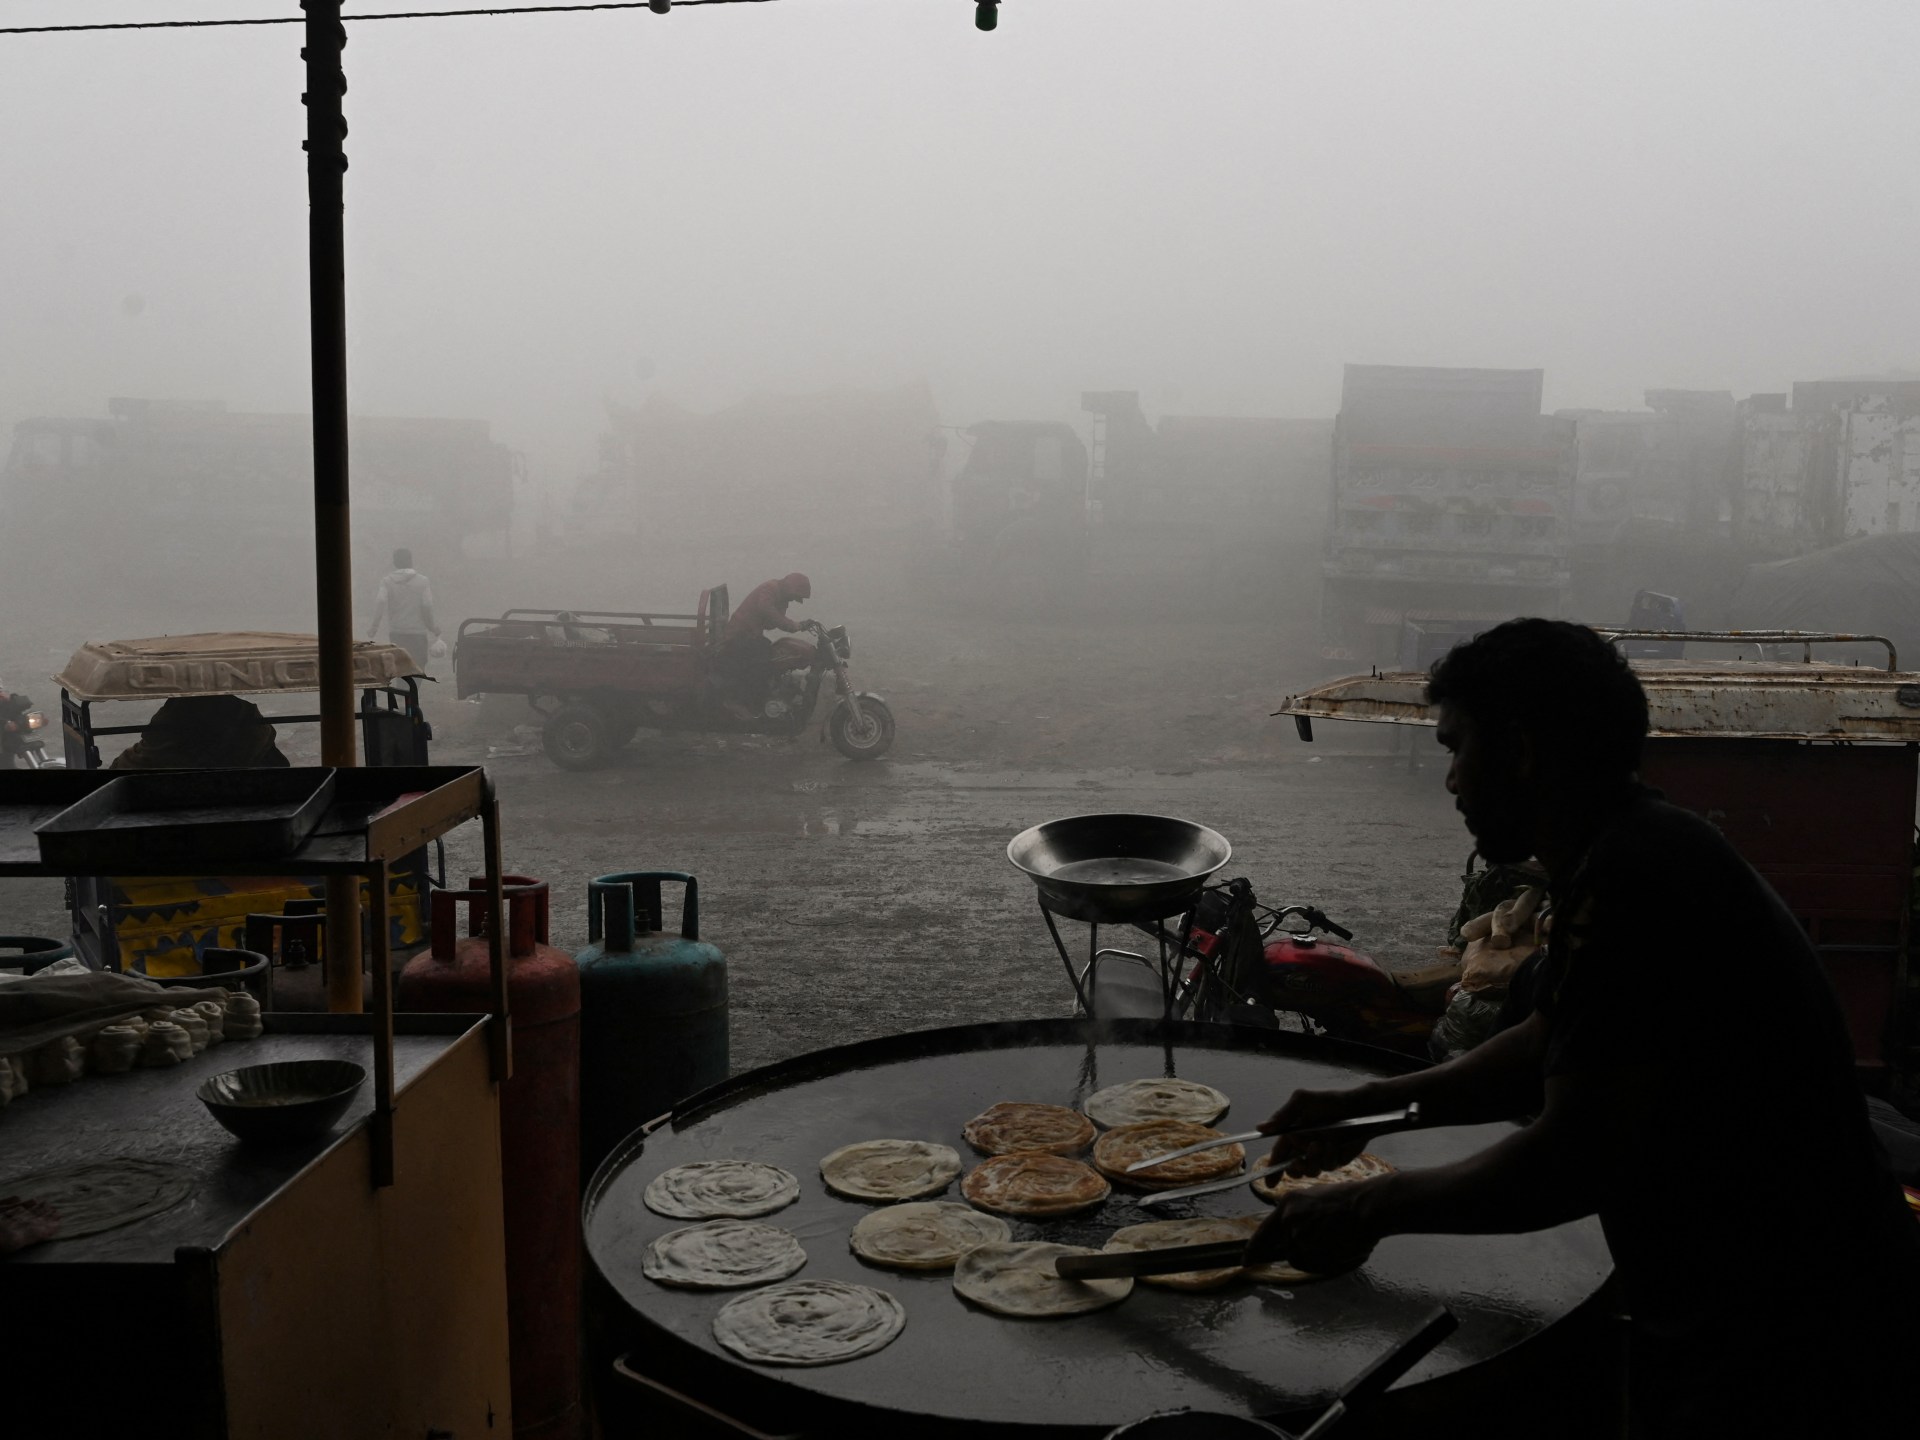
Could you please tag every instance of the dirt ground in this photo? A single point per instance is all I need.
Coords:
(858, 899)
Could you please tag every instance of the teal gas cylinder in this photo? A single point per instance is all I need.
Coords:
(653, 1009)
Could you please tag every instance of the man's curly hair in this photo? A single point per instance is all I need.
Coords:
(1567, 689)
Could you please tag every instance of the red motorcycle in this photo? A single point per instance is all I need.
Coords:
(1253, 965)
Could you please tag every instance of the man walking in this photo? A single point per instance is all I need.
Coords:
(405, 602)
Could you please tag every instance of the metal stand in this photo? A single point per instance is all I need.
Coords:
(1085, 982)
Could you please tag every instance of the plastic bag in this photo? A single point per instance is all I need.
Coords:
(1471, 1018)
(438, 649)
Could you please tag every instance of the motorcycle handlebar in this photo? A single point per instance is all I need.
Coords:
(1316, 918)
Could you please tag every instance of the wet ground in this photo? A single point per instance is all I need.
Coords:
(857, 899)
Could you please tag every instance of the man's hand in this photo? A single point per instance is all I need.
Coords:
(1306, 1154)
(1320, 1229)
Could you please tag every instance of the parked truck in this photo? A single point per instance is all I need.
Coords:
(1450, 505)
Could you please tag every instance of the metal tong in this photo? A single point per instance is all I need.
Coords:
(1361, 1127)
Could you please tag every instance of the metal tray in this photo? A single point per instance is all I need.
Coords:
(187, 815)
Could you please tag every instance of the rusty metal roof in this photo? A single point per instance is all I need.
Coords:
(1730, 699)
(246, 662)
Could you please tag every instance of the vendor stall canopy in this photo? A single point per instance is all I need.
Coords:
(244, 662)
(1726, 699)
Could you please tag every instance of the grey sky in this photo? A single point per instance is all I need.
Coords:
(1214, 201)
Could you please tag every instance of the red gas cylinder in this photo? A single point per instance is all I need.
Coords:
(539, 1134)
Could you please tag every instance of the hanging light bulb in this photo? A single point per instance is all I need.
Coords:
(660, 7)
(986, 14)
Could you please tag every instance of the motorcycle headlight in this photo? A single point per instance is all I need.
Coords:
(36, 721)
(837, 637)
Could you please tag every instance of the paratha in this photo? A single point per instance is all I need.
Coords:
(1364, 1166)
(1138, 1100)
(721, 1189)
(1166, 1234)
(924, 1235)
(1022, 1126)
(1127, 1144)
(809, 1322)
(722, 1255)
(1034, 1185)
(96, 1195)
(890, 1169)
(1017, 1279)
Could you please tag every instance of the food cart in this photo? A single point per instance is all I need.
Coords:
(1807, 766)
(161, 925)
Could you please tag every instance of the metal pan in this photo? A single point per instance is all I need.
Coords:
(1115, 869)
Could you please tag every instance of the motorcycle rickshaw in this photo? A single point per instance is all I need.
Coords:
(161, 926)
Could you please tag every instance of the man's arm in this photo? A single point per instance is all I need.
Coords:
(1533, 1179)
(1498, 1080)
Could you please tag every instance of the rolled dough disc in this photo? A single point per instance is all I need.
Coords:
(1138, 1100)
(721, 1189)
(890, 1169)
(1034, 1185)
(722, 1255)
(1015, 1126)
(809, 1322)
(1017, 1278)
(98, 1195)
(1364, 1166)
(924, 1235)
(1166, 1234)
(1128, 1144)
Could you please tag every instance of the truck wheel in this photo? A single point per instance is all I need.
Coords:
(862, 742)
(576, 738)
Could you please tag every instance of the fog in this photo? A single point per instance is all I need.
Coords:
(1215, 203)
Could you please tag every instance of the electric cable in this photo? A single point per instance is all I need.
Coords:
(489, 11)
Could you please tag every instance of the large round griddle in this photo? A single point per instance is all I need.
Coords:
(1249, 1350)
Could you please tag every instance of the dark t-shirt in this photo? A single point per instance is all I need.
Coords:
(1767, 1255)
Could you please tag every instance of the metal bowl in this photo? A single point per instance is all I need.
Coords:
(1111, 869)
(284, 1101)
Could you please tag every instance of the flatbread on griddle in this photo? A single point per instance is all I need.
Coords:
(722, 1255)
(1166, 1234)
(1128, 1144)
(1364, 1166)
(1021, 1126)
(721, 1189)
(1138, 1100)
(890, 1169)
(1017, 1278)
(1034, 1185)
(809, 1322)
(924, 1235)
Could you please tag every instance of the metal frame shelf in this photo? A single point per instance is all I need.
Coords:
(379, 814)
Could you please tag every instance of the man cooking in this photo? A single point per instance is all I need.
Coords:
(745, 656)
(1704, 1107)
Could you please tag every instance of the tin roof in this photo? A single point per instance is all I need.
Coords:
(246, 662)
(1731, 699)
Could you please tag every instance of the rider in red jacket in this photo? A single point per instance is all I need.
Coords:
(745, 659)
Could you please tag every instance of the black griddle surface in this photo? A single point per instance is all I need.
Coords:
(1249, 1349)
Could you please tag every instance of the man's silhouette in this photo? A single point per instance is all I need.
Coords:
(1701, 1101)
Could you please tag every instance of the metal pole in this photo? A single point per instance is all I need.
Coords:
(326, 37)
